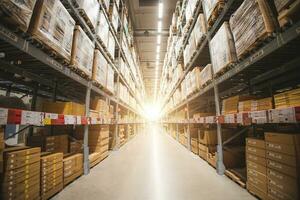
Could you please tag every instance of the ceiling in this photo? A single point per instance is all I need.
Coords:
(144, 16)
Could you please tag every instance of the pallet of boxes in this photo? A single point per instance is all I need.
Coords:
(207, 145)
(194, 139)
(21, 174)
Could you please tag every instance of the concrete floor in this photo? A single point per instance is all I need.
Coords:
(153, 166)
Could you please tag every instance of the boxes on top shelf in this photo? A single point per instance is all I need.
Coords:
(190, 9)
(212, 9)
(231, 104)
(247, 36)
(199, 29)
(82, 52)
(66, 108)
(288, 11)
(282, 4)
(17, 13)
(194, 84)
(99, 68)
(111, 43)
(53, 26)
(103, 29)
(114, 16)
(287, 99)
(255, 105)
(223, 49)
(89, 9)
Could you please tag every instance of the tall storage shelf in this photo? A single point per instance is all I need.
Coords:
(30, 67)
(263, 74)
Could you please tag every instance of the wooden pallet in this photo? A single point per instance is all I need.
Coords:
(87, 19)
(48, 50)
(80, 72)
(260, 41)
(215, 13)
(289, 15)
(206, 84)
(224, 69)
(235, 177)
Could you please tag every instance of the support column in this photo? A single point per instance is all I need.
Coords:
(86, 163)
(220, 165)
(188, 127)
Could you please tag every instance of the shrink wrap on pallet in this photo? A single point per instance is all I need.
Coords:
(195, 79)
(17, 13)
(205, 75)
(282, 4)
(110, 79)
(111, 45)
(82, 52)
(103, 28)
(209, 6)
(251, 23)
(106, 4)
(91, 10)
(190, 8)
(222, 48)
(99, 68)
(53, 26)
(115, 17)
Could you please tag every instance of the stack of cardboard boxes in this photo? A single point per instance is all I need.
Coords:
(76, 146)
(99, 140)
(122, 135)
(207, 143)
(73, 167)
(51, 174)
(287, 99)
(194, 139)
(21, 177)
(283, 159)
(53, 144)
(256, 167)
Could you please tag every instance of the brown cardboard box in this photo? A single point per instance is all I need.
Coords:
(282, 138)
(53, 191)
(283, 158)
(285, 169)
(274, 194)
(283, 182)
(256, 159)
(194, 145)
(256, 151)
(251, 187)
(257, 179)
(66, 108)
(73, 167)
(257, 167)
(289, 149)
(258, 143)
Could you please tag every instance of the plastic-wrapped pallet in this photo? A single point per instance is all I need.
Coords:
(90, 8)
(250, 23)
(111, 45)
(110, 79)
(222, 48)
(114, 17)
(103, 28)
(199, 29)
(17, 13)
(190, 8)
(209, 6)
(195, 79)
(205, 75)
(53, 26)
(282, 4)
(99, 68)
(82, 52)
(106, 4)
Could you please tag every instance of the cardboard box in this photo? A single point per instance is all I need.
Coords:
(285, 169)
(287, 99)
(256, 151)
(90, 8)
(66, 108)
(257, 167)
(283, 158)
(274, 194)
(73, 167)
(99, 71)
(53, 26)
(257, 179)
(258, 143)
(255, 190)
(282, 138)
(291, 150)
(256, 159)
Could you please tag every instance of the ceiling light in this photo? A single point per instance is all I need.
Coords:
(159, 26)
(158, 39)
(158, 49)
(160, 10)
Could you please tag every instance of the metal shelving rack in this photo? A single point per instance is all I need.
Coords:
(254, 73)
(47, 77)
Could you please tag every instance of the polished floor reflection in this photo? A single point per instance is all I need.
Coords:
(153, 166)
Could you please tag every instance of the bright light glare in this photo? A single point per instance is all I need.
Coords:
(158, 49)
(158, 39)
(152, 112)
(159, 26)
(160, 10)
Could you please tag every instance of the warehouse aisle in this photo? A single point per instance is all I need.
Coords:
(153, 166)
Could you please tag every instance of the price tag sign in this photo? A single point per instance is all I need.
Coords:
(70, 120)
(49, 117)
(32, 118)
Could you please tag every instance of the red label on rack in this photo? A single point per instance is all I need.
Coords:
(60, 120)
(84, 120)
(220, 119)
(14, 116)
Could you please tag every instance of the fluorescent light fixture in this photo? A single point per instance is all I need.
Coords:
(158, 49)
(159, 26)
(158, 39)
(160, 10)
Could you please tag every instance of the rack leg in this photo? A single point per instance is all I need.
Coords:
(86, 163)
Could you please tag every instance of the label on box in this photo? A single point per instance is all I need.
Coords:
(3, 116)
(70, 119)
(32, 118)
(286, 115)
(202, 120)
(210, 120)
(259, 117)
(49, 117)
(230, 119)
